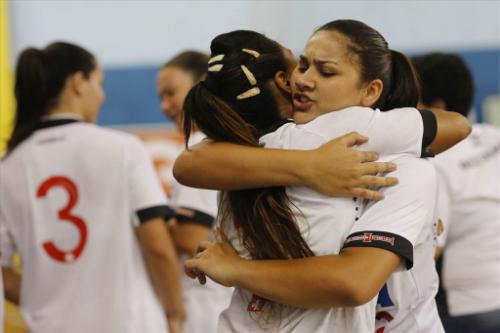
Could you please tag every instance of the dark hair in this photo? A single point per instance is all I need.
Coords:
(40, 79)
(377, 61)
(193, 62)
(445, 76)
(265, 220)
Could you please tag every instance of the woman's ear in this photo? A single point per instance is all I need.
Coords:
(76, 82)
(282, 81)
(371, 93)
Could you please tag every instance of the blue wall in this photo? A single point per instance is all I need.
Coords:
(486, 68)
(132, 99)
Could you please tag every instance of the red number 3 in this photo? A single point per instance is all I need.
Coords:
(65, 215)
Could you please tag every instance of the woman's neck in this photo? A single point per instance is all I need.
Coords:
(65, 108)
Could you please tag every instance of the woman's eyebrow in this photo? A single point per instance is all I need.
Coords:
(325, 61)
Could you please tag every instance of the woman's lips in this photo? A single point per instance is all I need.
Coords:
(301, 102)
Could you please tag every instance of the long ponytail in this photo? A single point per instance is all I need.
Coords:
(31, 95)
(263, 216)
(404, 88)
(40, 78)
(228, 106)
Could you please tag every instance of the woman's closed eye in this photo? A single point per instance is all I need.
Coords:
(326, 73)
(302, 67)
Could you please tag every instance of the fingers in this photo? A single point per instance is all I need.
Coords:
(373, 168)
(352, 139)
(191, 269)
(367, 194)
(377, 181)
(368, 156)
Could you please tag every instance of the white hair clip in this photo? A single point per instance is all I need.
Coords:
(250, 77)
(215, 68)
(252, 52)
(249, 93)
(216, 58)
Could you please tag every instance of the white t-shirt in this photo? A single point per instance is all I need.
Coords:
(72, 195)
(203, 303)
(469, 207)
(404, 220)
(327, 222)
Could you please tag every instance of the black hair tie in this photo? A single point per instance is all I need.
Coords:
(211, 84)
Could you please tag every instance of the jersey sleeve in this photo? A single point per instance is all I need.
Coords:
(147, 197)
(395, 223)
(193, 205)
(430, 131)
(402, 131)
(398, 131)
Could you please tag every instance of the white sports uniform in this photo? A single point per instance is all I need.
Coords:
(469, 207)
(406, 302)
(72, 195)
(330, 221)
(203, 303)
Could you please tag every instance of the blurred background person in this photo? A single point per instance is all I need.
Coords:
(468, 203)
(111, 266)
(195, 209)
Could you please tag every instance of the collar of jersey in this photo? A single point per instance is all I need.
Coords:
(58, 120)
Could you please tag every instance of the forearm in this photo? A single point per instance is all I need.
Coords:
(332, 169)
(165, 275)
(344, 280)
(235, 167)
(163, 265)
(301, 283)
(452, 128)
(12, 284)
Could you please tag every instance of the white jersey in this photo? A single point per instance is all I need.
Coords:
(405, 218)
(469, 207)
(203, 303)
(72, 195)
(327, 222)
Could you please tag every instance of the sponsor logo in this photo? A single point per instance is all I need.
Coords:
(369, 237)
(184, 212)
(256, 303)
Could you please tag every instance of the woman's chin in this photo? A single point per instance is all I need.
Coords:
(301, 117)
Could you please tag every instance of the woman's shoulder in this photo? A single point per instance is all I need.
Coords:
(292, 136)
(103, 135)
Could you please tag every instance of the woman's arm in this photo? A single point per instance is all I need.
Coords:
(332, 169)
(452, 128)
(355, 275)
(344, 280)
(162, 264)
